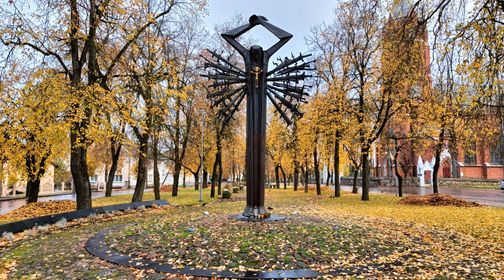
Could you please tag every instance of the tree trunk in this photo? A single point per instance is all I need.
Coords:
(214, 177)
(439, 148)
(183, 179)
(142, 168)
(157, 192)
(233, 170)
(176, 176)
(34, 175)
(219, 183)
(337, 186)
(305, 173)
(296, 175)
(453, 144)
(398, 176)
(78, 138)
(217, 168)
(306, 181)
(316, 170)
(196, 178)
(115, 151)
(365, 174)
(32, 190)
(284, 179)
(355, 176)
(205, 178)
(277, 176)
(79, 170)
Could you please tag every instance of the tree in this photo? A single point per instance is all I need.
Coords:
(181, 117)
(96, 35)
(116, 139)
(276, 146)
(35, 120)
(333, 67)
(379, 53)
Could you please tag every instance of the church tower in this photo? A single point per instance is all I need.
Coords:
(405, 39)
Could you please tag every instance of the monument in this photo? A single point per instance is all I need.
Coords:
(283, 86)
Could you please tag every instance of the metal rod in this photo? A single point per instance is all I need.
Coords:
(217, 84)
(277, 107)
(292, 78)
(221, 67)
(227, 96)
(285, 102)
(302, 67)
(286, 92)
(219, 57)
(288, 62)
(223, 77)
(230, 116)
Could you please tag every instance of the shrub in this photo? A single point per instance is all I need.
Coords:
(226, 194)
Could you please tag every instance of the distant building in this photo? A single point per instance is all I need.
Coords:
(12, 186)
(484, 163)
(125, 176)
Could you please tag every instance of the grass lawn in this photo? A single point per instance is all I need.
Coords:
(477, 186)
(186, 197)
(322, 233)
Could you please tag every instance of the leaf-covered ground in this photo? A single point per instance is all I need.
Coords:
(437, 200)
(216, 242)
(38, 209)
(415, 242)
(60, 206)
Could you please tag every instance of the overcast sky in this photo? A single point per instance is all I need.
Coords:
(294, 16)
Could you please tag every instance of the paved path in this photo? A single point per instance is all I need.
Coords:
(482, 196)
(8, 205)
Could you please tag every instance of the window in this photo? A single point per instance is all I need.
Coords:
(470, 155)
(118, 178)
(496, 153)
(150, 177)
(93, 178)
(470, 158)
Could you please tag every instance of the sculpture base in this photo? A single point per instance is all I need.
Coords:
(254, 211)
(264, 218)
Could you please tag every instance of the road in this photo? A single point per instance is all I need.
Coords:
(482, 196)
(8, 205)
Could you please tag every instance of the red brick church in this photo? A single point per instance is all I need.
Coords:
(483, 162)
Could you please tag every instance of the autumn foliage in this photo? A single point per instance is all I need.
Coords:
(437, 200)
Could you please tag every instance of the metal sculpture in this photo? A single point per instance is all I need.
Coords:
(283, 86)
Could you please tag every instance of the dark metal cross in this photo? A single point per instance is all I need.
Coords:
(283, 86)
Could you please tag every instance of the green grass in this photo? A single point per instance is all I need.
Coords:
(474, 186)
(186, 197)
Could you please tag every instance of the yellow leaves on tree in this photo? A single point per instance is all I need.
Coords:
(36, 122)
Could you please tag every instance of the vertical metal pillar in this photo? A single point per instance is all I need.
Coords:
(256, 64)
